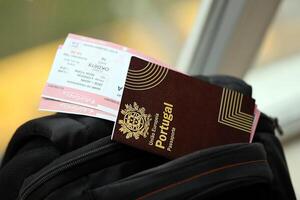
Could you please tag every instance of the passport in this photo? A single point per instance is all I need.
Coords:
(171, 114)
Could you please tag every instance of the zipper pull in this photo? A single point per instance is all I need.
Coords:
(276, 126)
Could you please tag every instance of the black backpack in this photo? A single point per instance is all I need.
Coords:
(72, 157)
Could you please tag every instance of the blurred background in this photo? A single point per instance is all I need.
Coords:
(264, 51)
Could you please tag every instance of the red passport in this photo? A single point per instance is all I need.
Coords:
(171, 114)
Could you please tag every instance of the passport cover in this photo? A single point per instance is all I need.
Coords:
(171, 114)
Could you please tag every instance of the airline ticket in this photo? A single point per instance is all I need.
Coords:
(90, 73)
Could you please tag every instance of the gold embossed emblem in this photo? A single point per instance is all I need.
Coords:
(135, 122)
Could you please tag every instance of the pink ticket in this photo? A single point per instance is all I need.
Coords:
(64, 107)
(255, 122)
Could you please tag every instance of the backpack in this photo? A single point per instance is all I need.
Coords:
(66, 157)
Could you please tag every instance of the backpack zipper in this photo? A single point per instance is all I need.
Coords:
(58, 169)
(276, 126)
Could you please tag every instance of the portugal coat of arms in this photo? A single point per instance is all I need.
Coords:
(135, 122)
